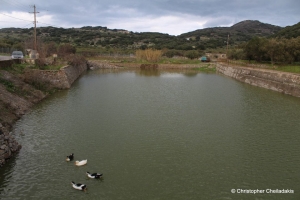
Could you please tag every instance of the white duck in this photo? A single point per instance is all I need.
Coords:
(79, 186)
(94, 175)
(80, 163)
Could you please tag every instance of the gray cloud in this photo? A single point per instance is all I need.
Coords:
(173, 16)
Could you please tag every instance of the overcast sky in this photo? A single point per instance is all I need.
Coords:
(166, 16)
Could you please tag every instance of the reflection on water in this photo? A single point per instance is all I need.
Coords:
(148, 72)
(157, 135)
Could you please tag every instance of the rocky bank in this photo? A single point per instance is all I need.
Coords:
(20, 91)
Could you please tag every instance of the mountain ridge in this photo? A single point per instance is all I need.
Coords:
(98, 36)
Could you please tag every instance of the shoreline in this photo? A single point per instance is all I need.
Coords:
(283, 82)
(20, 92)
(13, 105)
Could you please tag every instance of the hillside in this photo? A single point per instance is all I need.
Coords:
(102, 37)
(289, 32)
(240, 32)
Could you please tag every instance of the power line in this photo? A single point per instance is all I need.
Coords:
(19, 6)
(26, 25)
(19, 3)
(15, 17)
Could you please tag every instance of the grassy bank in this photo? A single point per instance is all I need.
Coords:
(292, 68)
(206, 68)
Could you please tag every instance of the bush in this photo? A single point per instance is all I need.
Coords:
(149, 55)
(65, 50)
(192, 54)
(75, 60)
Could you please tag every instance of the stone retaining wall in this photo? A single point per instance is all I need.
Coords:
(284, 82)
(61, 79)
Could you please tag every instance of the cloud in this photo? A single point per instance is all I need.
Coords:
(163, 24)
(166, 16)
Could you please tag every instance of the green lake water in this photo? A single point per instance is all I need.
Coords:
(157, 135)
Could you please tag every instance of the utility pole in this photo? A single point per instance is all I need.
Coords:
(35, 41)
(227, 48)
(227, 44)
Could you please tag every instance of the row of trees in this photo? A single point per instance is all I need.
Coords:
(276, 50)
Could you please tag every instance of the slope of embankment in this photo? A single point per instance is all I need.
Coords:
(20, 91)
(284, 82)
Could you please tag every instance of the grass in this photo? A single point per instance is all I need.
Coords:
(127, 59)
(206, 68)
(8, 85)
(295, 68)
(289, 68)
(20, 67)
(49, 67)
(179, 60)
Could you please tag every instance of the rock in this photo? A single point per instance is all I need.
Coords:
(3, 147)
(7, 155)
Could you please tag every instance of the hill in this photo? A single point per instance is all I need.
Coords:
(102, 37)
(289, 32)
(240, 32)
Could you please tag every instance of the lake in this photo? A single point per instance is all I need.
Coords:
(158, 135)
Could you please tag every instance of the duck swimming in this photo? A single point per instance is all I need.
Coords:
(70, 157)
(94, 175)
(80, 163)
(79, 186)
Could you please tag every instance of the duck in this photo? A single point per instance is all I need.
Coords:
(79, 186)
(80, 163)
(94, 175)
(70, 157)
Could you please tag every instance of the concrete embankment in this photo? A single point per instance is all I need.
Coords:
(284, 82)
(19, 92)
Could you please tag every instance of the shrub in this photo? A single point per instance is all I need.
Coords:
(192, 54)
(75, 60)
(65, 50)
(149, 55)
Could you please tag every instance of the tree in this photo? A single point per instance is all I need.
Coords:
(65, 50)
(192, 54)
(256, 49)
(50, 48)
(274, 49)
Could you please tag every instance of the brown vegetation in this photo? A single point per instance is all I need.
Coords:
(149, 55)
